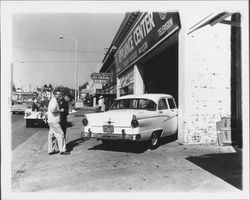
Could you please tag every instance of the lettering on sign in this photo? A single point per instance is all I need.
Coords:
(100, 81)
(134, 55)
(149, 29)
(144, 28)
(101, 76)
(140, 32)
(165, 27)
(143, 47)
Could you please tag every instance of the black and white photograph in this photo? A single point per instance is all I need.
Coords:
(124, 100)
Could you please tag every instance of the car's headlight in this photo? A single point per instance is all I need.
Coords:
(134, 122)
(84, 120)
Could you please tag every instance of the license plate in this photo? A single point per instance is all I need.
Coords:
(108, 128)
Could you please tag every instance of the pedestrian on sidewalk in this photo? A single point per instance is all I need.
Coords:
(55, 129)
(64, 104)
(101, 105)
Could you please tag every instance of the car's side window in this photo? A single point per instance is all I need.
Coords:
(162, 104)
(171, 103)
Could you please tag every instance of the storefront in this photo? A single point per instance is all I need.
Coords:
(200, 65)
(108, 90)
(147, 59)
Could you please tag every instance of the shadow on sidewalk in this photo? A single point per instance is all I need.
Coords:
(70, 145)
(122, 146)
(130, 146)
(227, 166)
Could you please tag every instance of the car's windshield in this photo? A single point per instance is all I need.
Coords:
(141, 104)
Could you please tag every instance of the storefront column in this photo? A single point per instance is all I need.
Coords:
(182, 80)
(138, 80)
(94, 102)
(117, 87)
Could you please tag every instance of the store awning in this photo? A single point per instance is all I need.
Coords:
(107, 91)
(213, 19)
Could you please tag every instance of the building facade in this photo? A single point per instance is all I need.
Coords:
(108, 90)
(199, 65)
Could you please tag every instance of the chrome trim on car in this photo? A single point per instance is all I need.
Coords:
(114, 136)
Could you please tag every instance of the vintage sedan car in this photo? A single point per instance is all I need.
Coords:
(18, 107)
(145, 117)
(35, 117)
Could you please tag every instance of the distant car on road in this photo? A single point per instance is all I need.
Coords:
(146, 117)
(18, 107)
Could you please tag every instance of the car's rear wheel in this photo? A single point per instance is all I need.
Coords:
(28, 122)
(154, 140)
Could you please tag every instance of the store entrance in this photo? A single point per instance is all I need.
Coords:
(161, 71)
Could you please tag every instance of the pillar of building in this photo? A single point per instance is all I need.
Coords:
(117, 87)
(94, 102)
(181, 80)
(138, 80)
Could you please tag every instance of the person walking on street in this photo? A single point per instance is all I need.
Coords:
(55, 129)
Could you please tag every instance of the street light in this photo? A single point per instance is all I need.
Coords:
(75, 41)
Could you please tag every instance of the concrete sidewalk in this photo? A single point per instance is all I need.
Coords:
(91, 167)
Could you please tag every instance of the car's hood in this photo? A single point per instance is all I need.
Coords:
(116, 117)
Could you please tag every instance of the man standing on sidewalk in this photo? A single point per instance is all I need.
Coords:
(54, 126)
(64, 104)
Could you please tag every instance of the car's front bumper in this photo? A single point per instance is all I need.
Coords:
(112, 136)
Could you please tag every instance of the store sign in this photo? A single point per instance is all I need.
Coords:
(101, 76)
(100, 81)
(150, 29)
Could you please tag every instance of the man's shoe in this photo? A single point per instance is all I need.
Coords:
(65, 153)
(53, 152)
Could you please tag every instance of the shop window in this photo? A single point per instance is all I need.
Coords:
(127, 90)
(162, 104)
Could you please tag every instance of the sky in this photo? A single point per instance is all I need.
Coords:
(40, 57)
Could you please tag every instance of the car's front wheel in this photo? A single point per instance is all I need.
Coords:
(154, 140)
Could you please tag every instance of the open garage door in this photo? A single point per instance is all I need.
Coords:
(160, 69)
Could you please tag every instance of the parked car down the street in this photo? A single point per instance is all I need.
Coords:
(145, 117)
(18, 107)
(35, 117)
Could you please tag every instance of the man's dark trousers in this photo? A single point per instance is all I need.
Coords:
(63, 121)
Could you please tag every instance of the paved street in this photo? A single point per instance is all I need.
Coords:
(93, 167)
(19, 133)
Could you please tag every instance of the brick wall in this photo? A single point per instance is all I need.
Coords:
(207, 83)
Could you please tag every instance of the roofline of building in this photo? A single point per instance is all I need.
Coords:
(124, 28)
